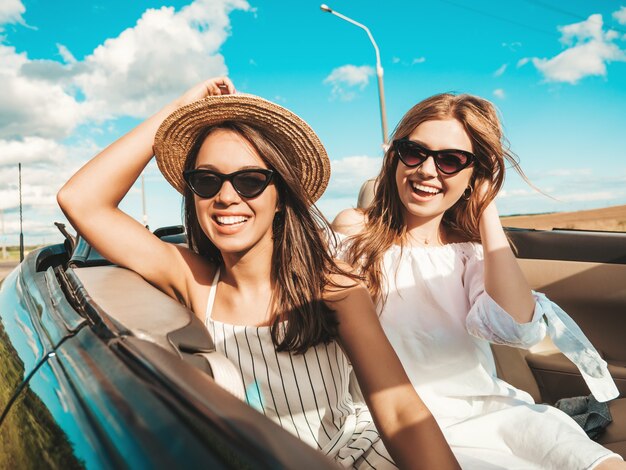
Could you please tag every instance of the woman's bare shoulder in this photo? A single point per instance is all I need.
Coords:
(196, 274)
(349, 221)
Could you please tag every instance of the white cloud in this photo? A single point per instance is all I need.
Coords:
(41, 180)
(11, 12)
(349, 173)
(414, 61)
(132, 75)
(587, 196)
(568, 172)
(589, 50)
(569, 189)
(331, 206)
(37, 192)
(65, 53)
(523, 61)
(164, 53)
(46, 165)
(30, 150)
(36, 231)
(514, 193)
(500, 70)
(620, 15)
(346, 78)
(512, 46)
(591, 28)
(31, 106)
(499, 93)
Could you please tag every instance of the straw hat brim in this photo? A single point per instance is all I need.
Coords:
(303, 148)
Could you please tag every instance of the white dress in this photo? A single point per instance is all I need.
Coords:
(440, 321)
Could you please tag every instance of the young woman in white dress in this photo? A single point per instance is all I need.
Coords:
(438, 264)
(258, 272)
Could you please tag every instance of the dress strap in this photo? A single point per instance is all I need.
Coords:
(209, 304)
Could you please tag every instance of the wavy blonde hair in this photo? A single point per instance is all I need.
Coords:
(385, 224)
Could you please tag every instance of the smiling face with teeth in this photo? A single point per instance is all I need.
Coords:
(234, 224)
(425, 192)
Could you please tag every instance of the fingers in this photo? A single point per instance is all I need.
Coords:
(219, 86)
(213, 87)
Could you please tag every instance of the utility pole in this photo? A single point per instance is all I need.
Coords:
(19, 170)
(4, 244)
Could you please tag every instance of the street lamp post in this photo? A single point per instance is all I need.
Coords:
(379, 68)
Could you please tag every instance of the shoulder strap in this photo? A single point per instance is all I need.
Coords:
(211, 300)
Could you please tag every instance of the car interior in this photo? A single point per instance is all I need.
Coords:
(583, 272)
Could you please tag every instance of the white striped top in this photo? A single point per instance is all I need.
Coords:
(306, 394)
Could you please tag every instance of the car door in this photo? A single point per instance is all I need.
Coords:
(33, 323)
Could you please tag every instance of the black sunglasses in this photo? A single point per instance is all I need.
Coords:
(247, 183)
(448, 162)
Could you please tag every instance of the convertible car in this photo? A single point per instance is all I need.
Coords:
(98, 369)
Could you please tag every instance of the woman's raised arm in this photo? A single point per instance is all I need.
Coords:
(504, 280)
(91, 197)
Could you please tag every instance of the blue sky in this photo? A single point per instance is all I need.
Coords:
(76, 75)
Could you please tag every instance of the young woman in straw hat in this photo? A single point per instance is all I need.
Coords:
(438, 263)
(257, 271)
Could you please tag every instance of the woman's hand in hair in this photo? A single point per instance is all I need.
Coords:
(212, 87)
(482, 191)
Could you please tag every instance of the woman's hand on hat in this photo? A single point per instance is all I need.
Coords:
(212, 87)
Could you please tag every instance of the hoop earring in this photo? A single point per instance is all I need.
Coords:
(466, 196)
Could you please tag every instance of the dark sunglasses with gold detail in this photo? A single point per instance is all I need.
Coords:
(448, 162)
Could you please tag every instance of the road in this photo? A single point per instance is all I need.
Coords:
(6, 267)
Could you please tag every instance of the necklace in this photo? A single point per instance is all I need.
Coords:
(436, 239)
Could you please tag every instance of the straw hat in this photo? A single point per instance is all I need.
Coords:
(304, 150)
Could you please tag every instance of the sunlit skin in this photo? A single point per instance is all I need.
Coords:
(225, 151)
(244, 292)
(423, 210)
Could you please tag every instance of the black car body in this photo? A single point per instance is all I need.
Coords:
(79, 388)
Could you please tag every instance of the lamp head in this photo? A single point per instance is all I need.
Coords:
(325, 8)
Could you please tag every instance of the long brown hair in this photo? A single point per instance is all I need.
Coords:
(301, 263)
(385, 224)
